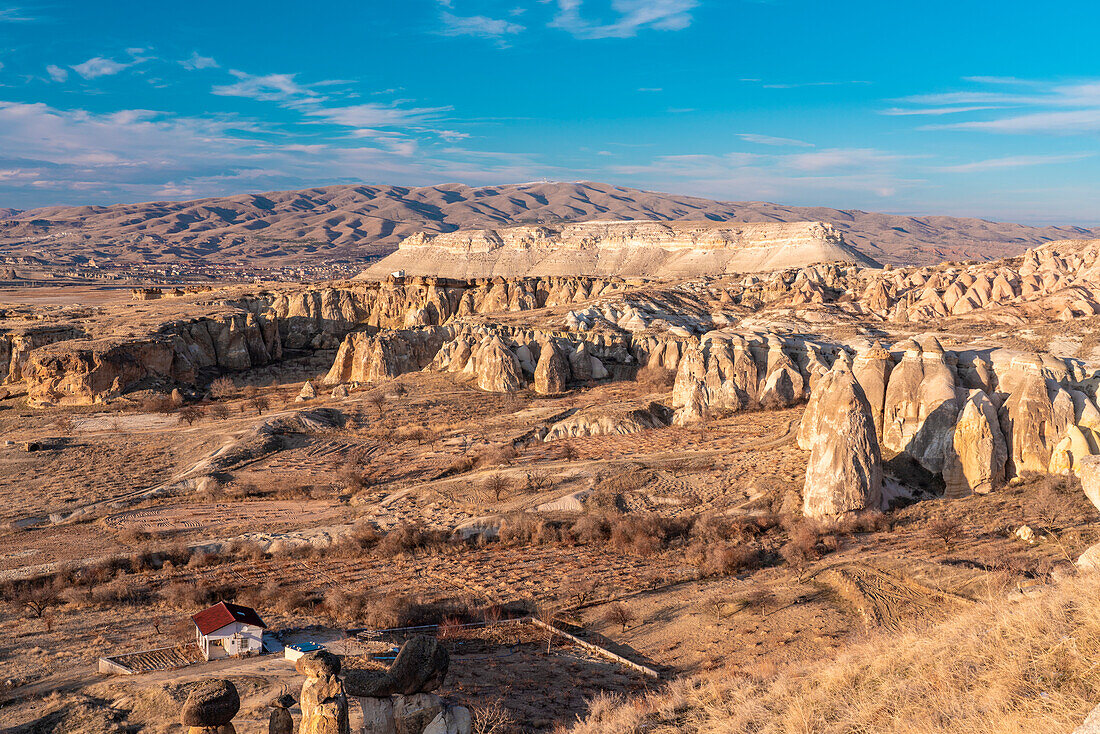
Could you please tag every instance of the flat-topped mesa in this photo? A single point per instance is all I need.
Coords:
(625, 248)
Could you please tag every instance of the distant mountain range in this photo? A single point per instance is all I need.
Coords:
(357, 222)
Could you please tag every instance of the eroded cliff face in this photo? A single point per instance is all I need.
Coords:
(623, 248)
(238, 329)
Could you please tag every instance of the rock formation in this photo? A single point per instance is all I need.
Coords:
(400, 700)
(844, 473)
(623, 248)
(323, 701)
(552, 372)
(977, 455)
(610, 420)
(210, 708)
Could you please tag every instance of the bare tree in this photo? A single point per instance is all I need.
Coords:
(222, 387)
(378, 400)
(946, 529)
(496, 485)
(219, 411)
(38, 601)
(190, 414)
(620, 614)
(260, 403)
(718, 602)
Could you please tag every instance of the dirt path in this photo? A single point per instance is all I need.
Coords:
(884, 599)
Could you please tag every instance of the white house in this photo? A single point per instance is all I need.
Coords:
(229, 631)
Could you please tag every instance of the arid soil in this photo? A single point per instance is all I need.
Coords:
(619, 459)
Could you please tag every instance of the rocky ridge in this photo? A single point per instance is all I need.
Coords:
(623, 248)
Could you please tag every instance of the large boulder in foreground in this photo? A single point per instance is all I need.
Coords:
(211, 704)
(844, 473)
(1088, 471)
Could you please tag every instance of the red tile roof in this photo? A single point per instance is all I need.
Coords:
(223, 613)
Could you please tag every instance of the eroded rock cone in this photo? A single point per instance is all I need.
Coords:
(308, 392)
(552, 371)
(211, 705)
(978, 453)
(324, 702)
(844, 473)
(498, 369)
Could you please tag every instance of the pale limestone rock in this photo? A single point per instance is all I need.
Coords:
(1069, 451)
(977, 457)
(844, 472)
(452, 720)
(921, 406)
(412, 713)
(1088, 471)
(498, 370)
(1028, 420)
(608, 420)
(308, 392)
(377, 715)
(871, 368)
(580, 361)
(552, 372)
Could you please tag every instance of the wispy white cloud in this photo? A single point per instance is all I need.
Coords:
(57, 73)
(266, 88)
(771, 140)
(901, 112)
(15, 15)
(1015, 161)
(1034, 107)
(479, 26)
(195, 62)
(98, 66)
(632, 17)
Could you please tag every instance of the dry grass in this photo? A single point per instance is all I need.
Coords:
(1005, 667)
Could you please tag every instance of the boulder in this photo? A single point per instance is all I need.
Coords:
(369, 683)
(378, 716)
(1088, 471)
(308, 392)
(1068, 452)
(323, 701)
(420, 666)
(340, 392)
(211, 703)
(871, 368)
(413, 713)
(452, 720)
(552, 370)
(1028, 420)
(978, 452)
(920, 406)
(280, 722)
(844, 472)
(580, 362)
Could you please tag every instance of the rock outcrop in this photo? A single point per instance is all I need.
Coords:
(553, 370)
(609, 420)
(623, 248)
(978, 453)
(844, 473)
(400, 699)
(210, 708)
(323, 701)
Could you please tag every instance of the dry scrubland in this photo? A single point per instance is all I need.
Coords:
(665, 519)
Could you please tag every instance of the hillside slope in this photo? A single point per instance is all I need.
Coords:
(356, 221)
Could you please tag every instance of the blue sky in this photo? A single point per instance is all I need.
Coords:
(973, 108)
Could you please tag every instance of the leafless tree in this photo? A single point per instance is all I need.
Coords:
(190, 414)
(222, 387)
(260, 403)
(620, 614)
(496, 485)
